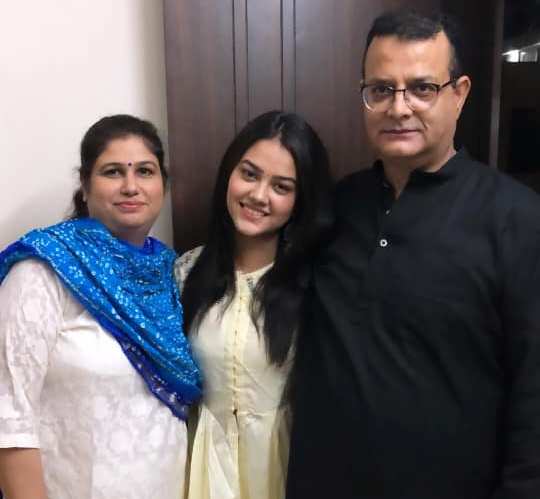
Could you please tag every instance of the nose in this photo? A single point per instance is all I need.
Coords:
(129, 184)
(399, 108)
(259, 193)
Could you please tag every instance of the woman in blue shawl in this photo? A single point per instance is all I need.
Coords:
(95, 372)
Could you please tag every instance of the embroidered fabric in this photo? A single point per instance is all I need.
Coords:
(130, 292)
(67, 387)
(241, 441)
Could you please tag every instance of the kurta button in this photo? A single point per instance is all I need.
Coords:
(387, 212)
(383, 243)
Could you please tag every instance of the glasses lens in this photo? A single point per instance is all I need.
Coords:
(422, 95)
(377, 97)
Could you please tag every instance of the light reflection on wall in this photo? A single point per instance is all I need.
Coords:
(525, 54)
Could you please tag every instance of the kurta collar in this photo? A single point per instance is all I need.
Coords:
(419, 177)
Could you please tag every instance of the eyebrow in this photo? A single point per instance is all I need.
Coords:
(118, 164)
(390, 82)
(260, 170)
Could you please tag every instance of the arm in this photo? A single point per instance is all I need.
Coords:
(21, 474)
(520, 309)
(30, 316)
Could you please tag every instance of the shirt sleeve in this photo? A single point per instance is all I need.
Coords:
(31, 307)
(184, 264)
(521, 321)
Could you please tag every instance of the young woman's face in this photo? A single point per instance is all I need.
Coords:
(262, 190)
(125, 190)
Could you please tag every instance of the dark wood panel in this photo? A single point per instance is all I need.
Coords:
(328, 72)
(330, 38)
(288, 20)
(264, 45)
(201, 106)
(474, 130)
(241, 81)
(496, 54)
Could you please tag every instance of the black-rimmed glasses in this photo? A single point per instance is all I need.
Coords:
(419, 96)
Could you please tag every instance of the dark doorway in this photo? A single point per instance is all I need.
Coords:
(519, 129)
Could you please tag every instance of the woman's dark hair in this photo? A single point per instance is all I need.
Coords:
(410, 25)
(97, 138)
(278, 297)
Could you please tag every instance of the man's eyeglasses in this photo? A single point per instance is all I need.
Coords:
(419, 96)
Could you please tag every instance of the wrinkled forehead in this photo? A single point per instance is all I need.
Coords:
(393, 58)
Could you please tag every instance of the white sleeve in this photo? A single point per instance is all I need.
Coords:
(31, 313)
(184, 264)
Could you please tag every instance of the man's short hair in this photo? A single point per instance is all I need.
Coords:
(410, 25)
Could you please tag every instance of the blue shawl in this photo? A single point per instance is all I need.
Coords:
(130, 291)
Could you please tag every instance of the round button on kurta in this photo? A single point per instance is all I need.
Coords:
(383, 243)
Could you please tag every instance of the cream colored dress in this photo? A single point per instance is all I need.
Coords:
(67, 388)
(241, 441)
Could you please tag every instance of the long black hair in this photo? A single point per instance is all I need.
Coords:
(278, 297)
(97, 138)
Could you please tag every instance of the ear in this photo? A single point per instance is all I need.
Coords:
(461, 91)
(84, 196)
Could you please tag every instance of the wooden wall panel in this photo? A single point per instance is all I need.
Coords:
(264, 45)
(201, 106)
(482, 23)
(288, 30)
(241, 80)
(329, 70)
(328, 74)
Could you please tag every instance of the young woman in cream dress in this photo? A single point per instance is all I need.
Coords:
(242, 296)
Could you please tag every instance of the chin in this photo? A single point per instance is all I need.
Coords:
(249, 232)
(400, 152)
(254, 233)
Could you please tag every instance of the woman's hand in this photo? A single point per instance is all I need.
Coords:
(21, 474)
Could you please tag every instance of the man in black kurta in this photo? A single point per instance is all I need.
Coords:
(418, 372)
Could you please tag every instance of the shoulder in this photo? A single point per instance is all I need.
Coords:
(356, 180)
(509, 193)
(355, 190)
(33, 280)
(508, 201)
(31, 271)
(184, 264)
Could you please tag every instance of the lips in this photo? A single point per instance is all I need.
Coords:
(400, 131)
(128, 206)
(252, 212)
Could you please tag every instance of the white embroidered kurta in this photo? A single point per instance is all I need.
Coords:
(67, 388)
(241, 443)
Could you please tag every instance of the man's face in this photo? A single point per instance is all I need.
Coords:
(419, 138)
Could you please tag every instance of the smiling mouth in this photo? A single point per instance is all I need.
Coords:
(253, 212)
(129, 206)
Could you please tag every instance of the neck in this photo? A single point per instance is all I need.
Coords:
(132, 237)
(254, 253)
(397, 170)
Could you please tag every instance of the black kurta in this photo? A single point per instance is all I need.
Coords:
(418, 374)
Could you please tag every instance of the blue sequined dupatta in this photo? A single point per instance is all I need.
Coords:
(130, 291)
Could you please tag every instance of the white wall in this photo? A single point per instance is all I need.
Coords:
(63, 65)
